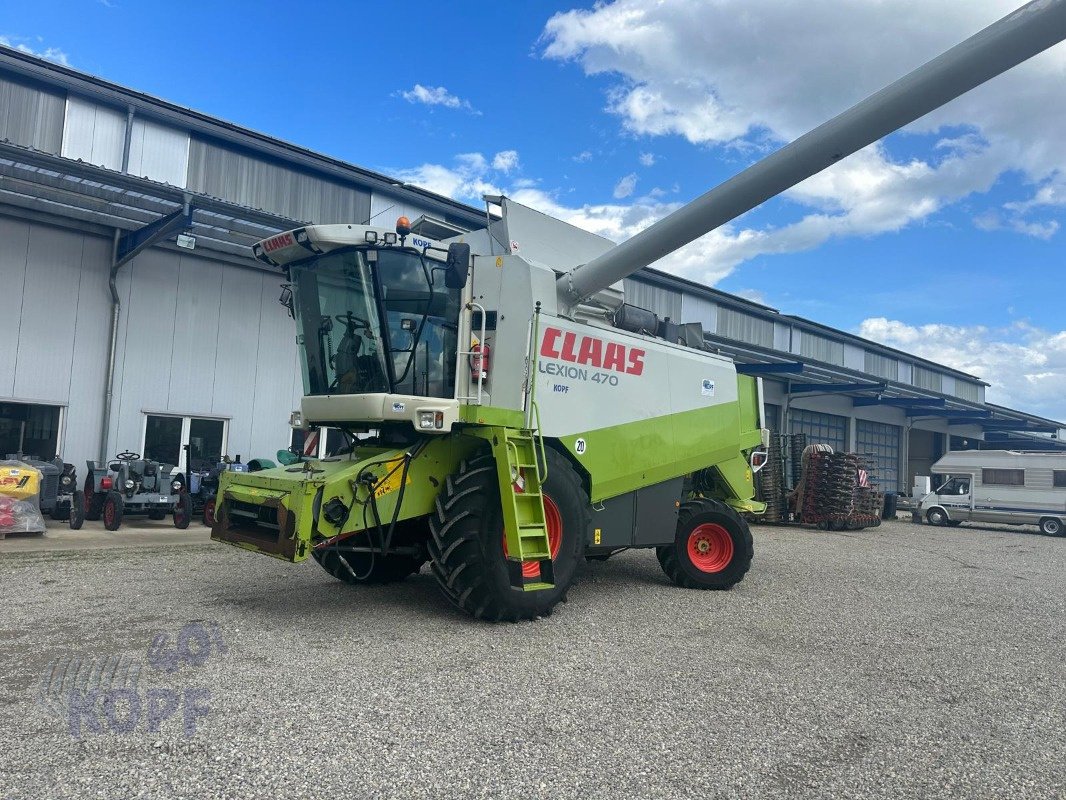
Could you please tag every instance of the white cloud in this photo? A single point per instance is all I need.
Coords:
(1026, 366)
(583, 156)
(647, 159)
(435, 96)
(625, 186)
(751, 74)
(505, 161)
(50, 53)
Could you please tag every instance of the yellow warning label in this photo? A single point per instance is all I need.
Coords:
(394, 470)
(499, 261)
(596, 536)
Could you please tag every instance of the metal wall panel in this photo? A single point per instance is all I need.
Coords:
(927, 378)
(782, 336)
(49, 303)
(384, 209)
(824, 349)
(238, 353)
(31, 116)
(81, 427)
(147, 343)
(820, 428)
(947, 384)
(94, 133)
(745, 327)
(883, 442)
(905, 371)
(14, 237)
(664, 302)
(854, 357)
(272, 402)
(701, 310)
(967, 390)
(241, 178)
(881, 366)
(193, 365)
(158, 152)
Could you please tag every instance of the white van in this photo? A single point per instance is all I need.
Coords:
(1006, 487)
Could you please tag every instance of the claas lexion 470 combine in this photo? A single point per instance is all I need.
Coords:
(508, 419)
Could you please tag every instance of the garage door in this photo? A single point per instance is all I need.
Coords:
(821, 428)
(882, 443)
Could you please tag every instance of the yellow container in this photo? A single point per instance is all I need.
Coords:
(21, 482)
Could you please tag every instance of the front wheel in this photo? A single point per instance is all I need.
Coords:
(712, 549)
(1051, 526)
(183, 511)
(466, 544)
(937, 516)
(113, 508)
(209, 513)
(77, 510)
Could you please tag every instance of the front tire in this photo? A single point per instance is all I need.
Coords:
(1051, 526)
(77, 510)
(183, 511)
(94, 500)
(712, 549)
(466, 543)
(937, 516)
(112, 511)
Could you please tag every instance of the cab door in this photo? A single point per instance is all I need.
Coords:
(956, 497)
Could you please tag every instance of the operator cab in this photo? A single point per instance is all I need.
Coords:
(377, 313)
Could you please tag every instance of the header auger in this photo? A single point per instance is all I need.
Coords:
(506, 419)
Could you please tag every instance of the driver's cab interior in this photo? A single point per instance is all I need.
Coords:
(956, 486)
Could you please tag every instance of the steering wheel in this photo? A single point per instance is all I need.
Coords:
(352, 321)
(128, 455)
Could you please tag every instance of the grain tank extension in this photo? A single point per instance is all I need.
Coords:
(509, 418)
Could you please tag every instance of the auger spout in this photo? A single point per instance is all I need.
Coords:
(1017, 37)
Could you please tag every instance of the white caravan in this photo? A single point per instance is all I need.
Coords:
(1007, 487)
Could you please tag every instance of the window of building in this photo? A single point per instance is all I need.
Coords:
(1059, 478)
(882, 366)
(880, 443)
(1003, 477)
(927, 379)
(821, 428)
(166, 435)
(32, 430)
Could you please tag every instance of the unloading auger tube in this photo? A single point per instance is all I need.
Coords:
(1019, 36)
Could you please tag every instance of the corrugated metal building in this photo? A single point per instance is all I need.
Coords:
(92, 173)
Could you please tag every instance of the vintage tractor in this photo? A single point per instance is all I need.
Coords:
(524, 417)
(202, 483)
(132, 485)
(60, 496)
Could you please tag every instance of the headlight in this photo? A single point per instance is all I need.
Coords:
(129, 485)
(65, 480)
(176, 486)
(428, 420)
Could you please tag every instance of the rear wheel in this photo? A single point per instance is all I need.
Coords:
(94, 501)
(183, 511)
(712, 549)
(112, 511)
(467, 550)
(1051, 526)
(937, 516)
(77, 510)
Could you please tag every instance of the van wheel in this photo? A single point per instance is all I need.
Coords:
(1051, 526)
(937, 516)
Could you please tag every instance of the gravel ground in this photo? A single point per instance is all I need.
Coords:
(904, 661)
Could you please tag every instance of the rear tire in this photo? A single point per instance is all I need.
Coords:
(94, 500)
(466, 543)
(712, 549)
(1051, 526)
(112, 511)
(77, 510)
(183, 511)
(209, 513)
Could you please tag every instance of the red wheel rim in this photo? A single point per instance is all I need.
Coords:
(209, 513)
(554, 524)
(710, 547)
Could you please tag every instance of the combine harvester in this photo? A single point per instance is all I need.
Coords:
(509, 418)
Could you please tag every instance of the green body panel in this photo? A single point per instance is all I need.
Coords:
(626, 457)
(488, 415)
(293, 491)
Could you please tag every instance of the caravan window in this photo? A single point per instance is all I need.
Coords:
(1003, 477)
(1060, 478)
(955, 486)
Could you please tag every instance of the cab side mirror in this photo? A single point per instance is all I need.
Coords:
(457, 266)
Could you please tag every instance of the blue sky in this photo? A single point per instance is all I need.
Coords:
(943, 240)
